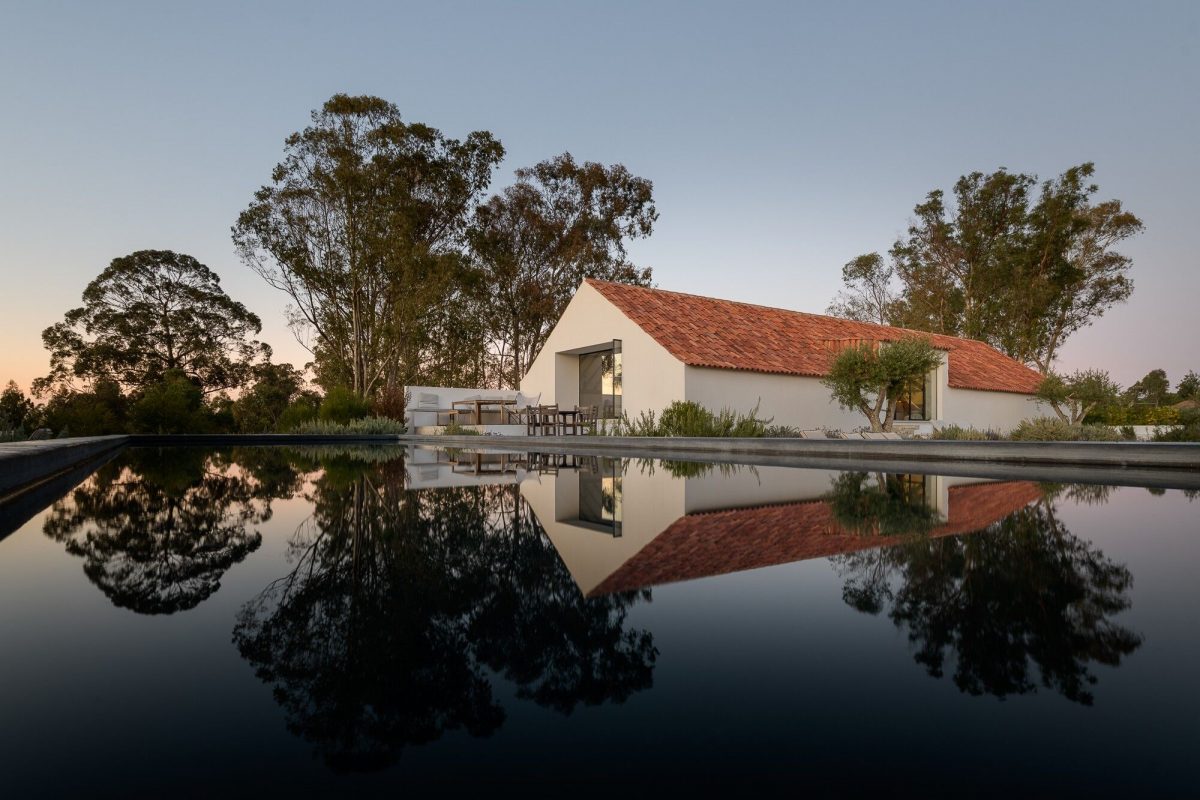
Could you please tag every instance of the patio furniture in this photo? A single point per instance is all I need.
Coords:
(585, 419)
(873, 437)
(477, 403)
(892, 436)
(430, 403)
(523, 405)
(568, 414)
(541, 418)
(818, 434)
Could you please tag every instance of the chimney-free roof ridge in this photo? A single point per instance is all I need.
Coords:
(783, 310)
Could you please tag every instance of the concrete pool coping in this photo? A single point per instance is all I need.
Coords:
(1154, 464)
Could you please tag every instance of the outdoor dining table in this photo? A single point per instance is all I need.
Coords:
(480, 402)
(568, 412)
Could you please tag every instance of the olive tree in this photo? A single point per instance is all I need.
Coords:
(1074, 396)
(872, 377)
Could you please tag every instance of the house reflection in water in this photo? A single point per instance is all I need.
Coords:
(627, 524)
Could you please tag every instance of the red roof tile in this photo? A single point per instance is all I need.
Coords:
(707, 332)
(721, 542)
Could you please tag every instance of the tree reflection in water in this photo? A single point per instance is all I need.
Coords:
(1023, 592)
(400, 602)
(157, 530)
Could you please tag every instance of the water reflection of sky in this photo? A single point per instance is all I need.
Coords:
(312, 623)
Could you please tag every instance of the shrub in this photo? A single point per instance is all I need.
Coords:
(1044, 429)
(957, 433)
(1189, 430)
(391, 401)
(456, 429)
(692, 419)
(1048, 429)
(1135, 415)
(363, 426)
(173, 405)
(1099, 433)
(781, 432)
(298, 412)
(342, 405)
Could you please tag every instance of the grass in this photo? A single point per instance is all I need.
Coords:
(364, 426)
(692, 419)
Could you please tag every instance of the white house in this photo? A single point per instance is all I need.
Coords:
(628, 349)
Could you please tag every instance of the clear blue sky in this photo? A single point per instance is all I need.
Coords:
(782, 138)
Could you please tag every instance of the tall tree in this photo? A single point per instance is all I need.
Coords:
(1069, 273)
(1154, 389)
(362, 227)
(870, 294)
(953, 260)
(562, 221)
(150, 312)
(1017, 267)
(16, 410)
(1189, 387)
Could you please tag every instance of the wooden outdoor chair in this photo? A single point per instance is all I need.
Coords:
(585, 419)
(539, 418)
(519, 413)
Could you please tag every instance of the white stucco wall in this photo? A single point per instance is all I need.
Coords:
(651, 377)
(790, 399)
(999, 411)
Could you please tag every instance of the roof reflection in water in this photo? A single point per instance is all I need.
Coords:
(626, 524)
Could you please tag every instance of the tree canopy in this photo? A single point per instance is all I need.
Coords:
(362, 227)
(1074, 396)
(871, 377)
(148, 313)
(537, 240)
(1004, 260)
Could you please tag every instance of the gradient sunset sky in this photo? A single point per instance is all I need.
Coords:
(782, 138)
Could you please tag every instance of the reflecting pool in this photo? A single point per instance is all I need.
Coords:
(334, 620)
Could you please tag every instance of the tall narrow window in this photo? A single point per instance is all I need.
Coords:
(600, 381)
(913, 403)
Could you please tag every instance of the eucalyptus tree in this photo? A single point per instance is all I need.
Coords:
(148, 313)
(870, 292)
(562, 221)
(1003, 260)
(362, 226)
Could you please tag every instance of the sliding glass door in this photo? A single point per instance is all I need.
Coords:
(600, 380)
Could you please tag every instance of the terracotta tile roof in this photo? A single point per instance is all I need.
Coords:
(707, 332)
(721, 542)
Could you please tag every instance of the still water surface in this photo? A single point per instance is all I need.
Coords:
(324, 621)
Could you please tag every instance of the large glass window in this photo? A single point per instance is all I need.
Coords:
(600, 496)
(914, 403)
(600, 381)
